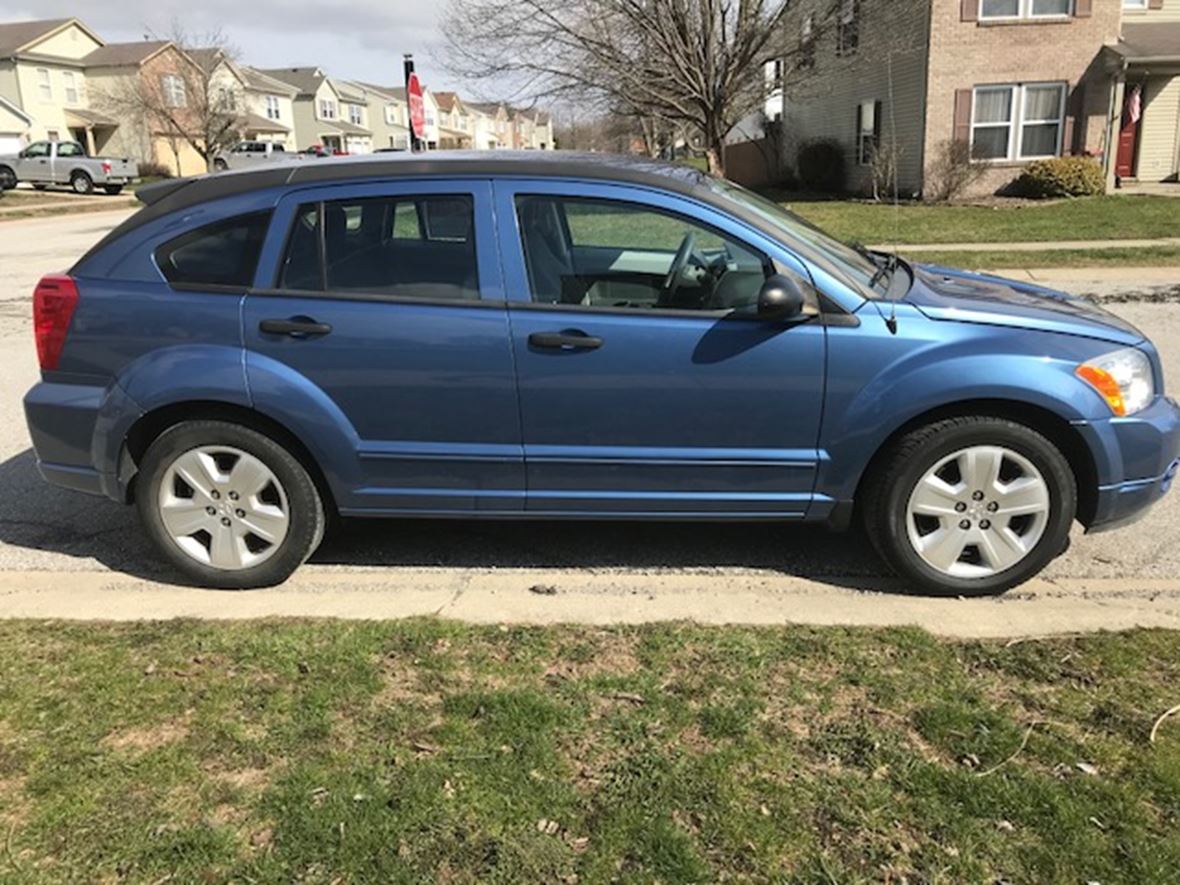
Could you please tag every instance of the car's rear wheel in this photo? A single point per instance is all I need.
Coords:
(970, 506)
(220, 165)
(40, 187)
(228, 506)
(81, 183)
(7, 179)
(113, 189)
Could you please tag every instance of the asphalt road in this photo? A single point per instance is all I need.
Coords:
(67, 555)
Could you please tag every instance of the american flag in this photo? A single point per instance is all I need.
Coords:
(1135, 104)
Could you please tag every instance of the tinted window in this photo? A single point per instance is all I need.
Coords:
(221, 254)
(406, 246)
(37, 149)
(605, 253)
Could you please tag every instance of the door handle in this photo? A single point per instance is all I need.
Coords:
(568, 340)
(295, 327)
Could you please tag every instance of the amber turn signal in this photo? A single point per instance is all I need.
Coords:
(1104, 382)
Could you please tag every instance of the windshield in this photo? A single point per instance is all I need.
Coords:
(857, 267)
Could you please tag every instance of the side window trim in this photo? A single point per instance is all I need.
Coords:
(478, 189)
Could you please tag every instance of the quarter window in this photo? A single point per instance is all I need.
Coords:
(602, 253)
(1018, 122)
(404, 246)
(222, 254)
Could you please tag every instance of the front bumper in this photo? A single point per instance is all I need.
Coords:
(1137, 460)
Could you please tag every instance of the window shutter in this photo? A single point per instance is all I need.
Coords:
(1083, 8)
(1073, 137)
(877, 124)
(969, 10)
(963, 115)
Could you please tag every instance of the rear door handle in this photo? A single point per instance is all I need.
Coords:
(295, 327)
(571, 339)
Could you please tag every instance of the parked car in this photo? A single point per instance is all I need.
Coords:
(565, 336)
(47, 163)
(248, 154)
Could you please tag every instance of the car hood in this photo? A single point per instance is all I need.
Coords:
(944, 293)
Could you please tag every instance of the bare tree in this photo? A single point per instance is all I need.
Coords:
(698, 63)
(189, 96)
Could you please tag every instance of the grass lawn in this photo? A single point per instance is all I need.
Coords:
(1093, 218)
(1156, 256)
(426, 751)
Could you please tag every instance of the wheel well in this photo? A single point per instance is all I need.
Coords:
(1050, 425)
(80, 172)
(149, 427)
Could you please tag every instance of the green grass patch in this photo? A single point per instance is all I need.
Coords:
(1155, 256)
(426, 751)
(1091, 218)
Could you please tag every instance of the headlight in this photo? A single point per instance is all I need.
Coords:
(1123, 378)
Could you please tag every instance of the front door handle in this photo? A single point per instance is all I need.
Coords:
(295, 327)
(571, 339)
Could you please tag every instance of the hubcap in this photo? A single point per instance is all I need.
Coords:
(223, 507)
(978, 512)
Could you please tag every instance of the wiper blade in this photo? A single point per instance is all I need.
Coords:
(885, 272)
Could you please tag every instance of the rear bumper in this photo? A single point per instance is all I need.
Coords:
(73, 429)
(1137, 458)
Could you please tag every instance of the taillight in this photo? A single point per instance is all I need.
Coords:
(54, 301)
(106, 167)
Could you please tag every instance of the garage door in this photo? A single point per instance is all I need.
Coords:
(9, 144)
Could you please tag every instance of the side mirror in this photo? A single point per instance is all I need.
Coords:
(780, 298)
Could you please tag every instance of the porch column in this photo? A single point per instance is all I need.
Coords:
(91, 151)
(1113, 126)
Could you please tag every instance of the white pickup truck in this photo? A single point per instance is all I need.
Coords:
(46, 163)
(249, 154)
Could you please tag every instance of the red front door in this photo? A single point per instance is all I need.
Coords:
(1129, 133)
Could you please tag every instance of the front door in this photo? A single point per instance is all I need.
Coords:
(647, 384)
(1129, 132)
(385, 301)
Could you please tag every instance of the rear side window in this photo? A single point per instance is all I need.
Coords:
(224, 253)
(404, 246)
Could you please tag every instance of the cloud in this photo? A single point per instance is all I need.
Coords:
(353, 39)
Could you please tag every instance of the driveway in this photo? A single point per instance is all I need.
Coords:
(70, 556)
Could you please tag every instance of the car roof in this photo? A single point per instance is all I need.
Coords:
(184, 192)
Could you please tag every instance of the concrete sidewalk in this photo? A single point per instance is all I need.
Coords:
(1070, 245)
(1136, 276)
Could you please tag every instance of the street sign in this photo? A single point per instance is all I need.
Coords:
(417, 106)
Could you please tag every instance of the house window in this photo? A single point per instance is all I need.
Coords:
(44, 85)
(354, 115)
(272, 107)
(807, 44)
(868, 130)
(327, 109)
(1015, 9)
(71, 82)
(1019, 122)
(173, 90)
(774, 75)
(1134, 4)
(227, 99)
(848, 28)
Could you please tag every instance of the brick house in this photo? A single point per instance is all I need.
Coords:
(1016, 79)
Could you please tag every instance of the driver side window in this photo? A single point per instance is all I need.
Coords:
(609, 253)
(37, 149)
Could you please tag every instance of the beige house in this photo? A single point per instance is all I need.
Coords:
(320, 112)
(454, 122)
(1017, 80)
(269, 109)
(388, 117)
(490, 129)
(14, 123)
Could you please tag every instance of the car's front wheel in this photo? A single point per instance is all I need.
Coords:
(970, 506)
(228, 506)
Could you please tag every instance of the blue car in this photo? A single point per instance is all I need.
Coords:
(540, 336)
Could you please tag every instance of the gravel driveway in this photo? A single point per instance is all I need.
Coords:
(66, 555)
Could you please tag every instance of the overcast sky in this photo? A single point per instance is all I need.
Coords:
(352, 39)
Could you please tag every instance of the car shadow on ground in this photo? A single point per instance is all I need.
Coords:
(40, 523)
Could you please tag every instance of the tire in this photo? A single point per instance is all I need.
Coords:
(40, 187)
(81, 183)
(902, 484)
(8, 179)
(292, 495)
(113, 189)
(220, 165)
